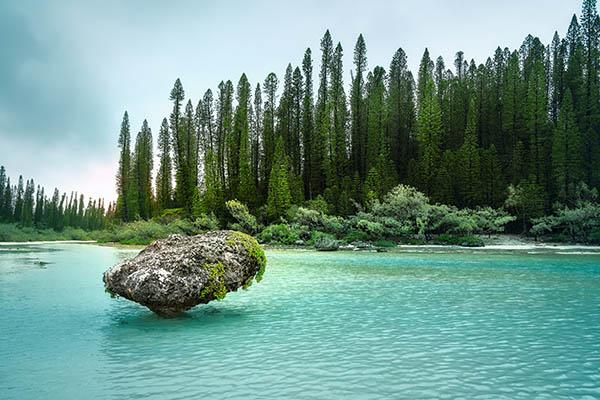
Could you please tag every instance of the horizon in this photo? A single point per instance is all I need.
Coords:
(60, 70)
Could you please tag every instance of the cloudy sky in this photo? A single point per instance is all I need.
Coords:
(69, 69)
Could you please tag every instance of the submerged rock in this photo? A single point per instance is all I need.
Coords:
(324, 243)
(177, 273)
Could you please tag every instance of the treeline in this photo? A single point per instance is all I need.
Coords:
(528, 119)
(27, 206)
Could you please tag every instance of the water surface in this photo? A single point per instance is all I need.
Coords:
(320, 325)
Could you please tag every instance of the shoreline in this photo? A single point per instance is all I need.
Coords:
(497, 243)
(48, 242)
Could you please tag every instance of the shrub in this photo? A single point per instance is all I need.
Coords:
(385, 243)
(580, 224)
(356, 235)
(280, 233)
(326, 243)
(207, 222)
(246, 222)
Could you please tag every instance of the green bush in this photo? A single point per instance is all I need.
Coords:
(207, 222)
(278, 233)
(246, 222)
(579, 224)
(316, 236)
(356, 235)
(384, 243)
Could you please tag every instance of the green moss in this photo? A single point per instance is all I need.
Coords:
(107, 290)
(248, 283)
(253, 248)
(215, 284)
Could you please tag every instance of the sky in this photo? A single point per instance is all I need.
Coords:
(69, 69)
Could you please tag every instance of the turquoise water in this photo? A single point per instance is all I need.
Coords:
(320, 325)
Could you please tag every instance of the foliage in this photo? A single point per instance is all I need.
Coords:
(579, 224)
(215, 286)
(278, 233)
(246, 222)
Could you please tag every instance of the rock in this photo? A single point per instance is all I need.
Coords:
(299, 242)
(478, 243)
(324, 243)
(362, 245)
(177, 273)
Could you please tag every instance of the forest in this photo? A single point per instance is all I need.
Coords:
(518, 134)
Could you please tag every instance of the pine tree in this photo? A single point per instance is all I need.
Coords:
(38, 215)
(279, 196)
(142, 172)
(183, 134)
(375, 117)
(307, 122)
(213, 199)
(338, 138)
(566, 153)
(470, 162)
(284, 111)
(224, 125)
(28, 203)
(320, 160)
(19, 193)
(257, 132)
(123, 178)
(241, 176)
(590, 122)
(164, 189)
(207, 124)
(429, 136)
(357, 109)
(492, 181)
(7, 207)
(296, 122)
(2, 190)
(240, 129)
(400, 117)
(537, 125)
(270, 90)
(512, 113)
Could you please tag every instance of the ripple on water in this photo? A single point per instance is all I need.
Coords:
(345, 325)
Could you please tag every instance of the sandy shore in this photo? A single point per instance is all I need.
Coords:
(494, 243)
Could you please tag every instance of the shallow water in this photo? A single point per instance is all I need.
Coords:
(320, 325)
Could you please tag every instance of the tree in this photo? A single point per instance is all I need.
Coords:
(143, 163)
(296, 121)
(307, 121)
(240, 151)
(566, 153)
(270, 89)
(537, 125)
(321, 157)
(256, 134)
(338, 137)
(2, 190)
(279, 196)
(375, 140)
(164, 189)
(19, 192)
(123, 178)
(470, 162)
(26, 216)
(429, 137)
(400, 116)
(358, 130)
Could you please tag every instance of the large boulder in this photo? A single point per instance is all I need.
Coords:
(177, 273)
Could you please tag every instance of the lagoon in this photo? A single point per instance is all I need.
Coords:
(351, 325)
